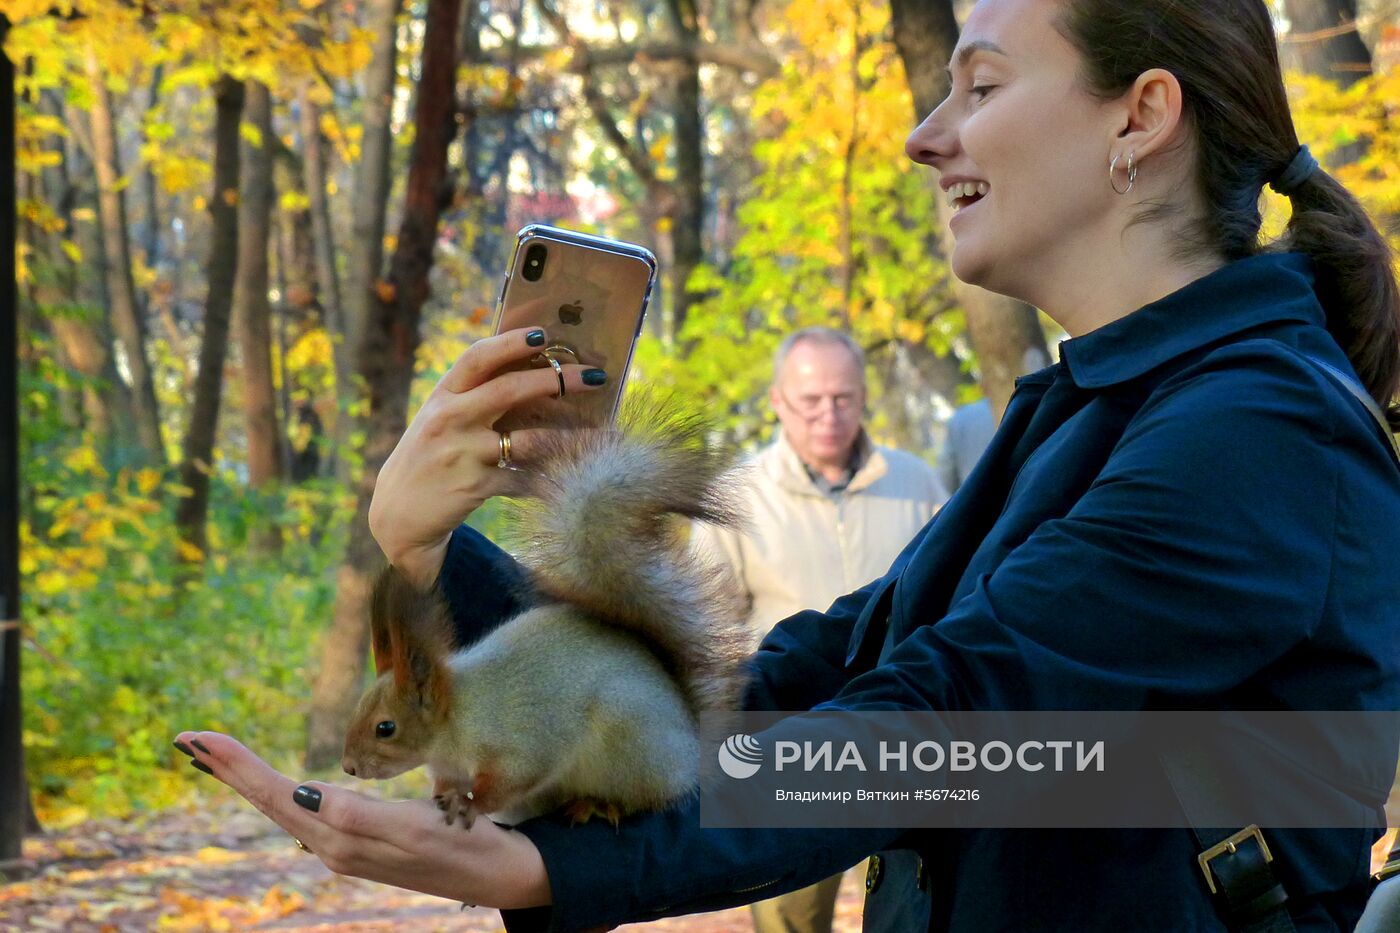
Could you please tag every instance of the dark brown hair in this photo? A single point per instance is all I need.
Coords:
(1224, 54)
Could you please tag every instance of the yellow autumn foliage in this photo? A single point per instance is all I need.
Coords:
(118, 646)
(832, 232)
(1336, 121)
(311, 350)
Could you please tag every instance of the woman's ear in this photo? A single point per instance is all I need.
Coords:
(1153, 116)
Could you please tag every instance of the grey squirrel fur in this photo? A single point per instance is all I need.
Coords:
(589, 700)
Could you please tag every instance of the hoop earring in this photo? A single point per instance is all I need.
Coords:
(1132, 173)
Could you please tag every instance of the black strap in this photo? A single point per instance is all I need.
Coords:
(1236, 864)
(1362, 396)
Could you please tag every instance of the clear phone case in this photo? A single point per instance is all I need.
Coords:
(590, 294)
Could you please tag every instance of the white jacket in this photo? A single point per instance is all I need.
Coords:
(803, 548)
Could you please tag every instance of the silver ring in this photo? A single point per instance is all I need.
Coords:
(557, 348)
(558, 370)
(503, 462)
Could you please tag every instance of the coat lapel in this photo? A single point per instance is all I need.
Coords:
(961, 523)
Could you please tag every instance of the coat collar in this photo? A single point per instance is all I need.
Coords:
(785, 467)
(1239, 296)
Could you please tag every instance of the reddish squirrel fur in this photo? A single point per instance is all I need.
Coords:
(590, 699)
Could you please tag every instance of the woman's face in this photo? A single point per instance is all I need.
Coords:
(1018, 126)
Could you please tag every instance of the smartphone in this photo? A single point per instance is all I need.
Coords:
(590, 293)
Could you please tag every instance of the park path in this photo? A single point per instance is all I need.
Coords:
(227, 868)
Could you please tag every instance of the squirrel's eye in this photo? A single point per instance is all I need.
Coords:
(384, 729)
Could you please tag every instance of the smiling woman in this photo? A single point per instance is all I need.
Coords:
(1019, 122)
(1045, 101)
(1195, 508)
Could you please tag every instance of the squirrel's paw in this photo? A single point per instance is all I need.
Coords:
(586, 808)
(454, 804)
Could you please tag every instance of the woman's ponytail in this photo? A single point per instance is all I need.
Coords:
(1355, 282)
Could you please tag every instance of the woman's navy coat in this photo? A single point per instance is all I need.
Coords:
(1182, 513)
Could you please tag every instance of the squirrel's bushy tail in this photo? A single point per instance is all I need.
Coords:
(603, 534)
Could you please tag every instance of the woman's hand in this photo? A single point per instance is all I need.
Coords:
(444, 466)
(404, 843)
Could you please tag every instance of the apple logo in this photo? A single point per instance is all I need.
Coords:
(572, 313)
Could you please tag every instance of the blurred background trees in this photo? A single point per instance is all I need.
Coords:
(254, 233)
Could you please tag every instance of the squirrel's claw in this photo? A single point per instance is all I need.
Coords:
(585, 809)
(454, 804)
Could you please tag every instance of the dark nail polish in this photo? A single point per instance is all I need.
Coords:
(307, 797)
(594, 377)
(201, 766)
(535, 338)
(197, 744)
(183, 747)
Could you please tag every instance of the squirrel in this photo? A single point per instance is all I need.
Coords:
(590, 700)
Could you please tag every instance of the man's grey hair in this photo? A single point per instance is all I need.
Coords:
(827, 335)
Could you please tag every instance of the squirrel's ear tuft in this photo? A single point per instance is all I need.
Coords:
(413, 636)
(381, 641)
(407, 626)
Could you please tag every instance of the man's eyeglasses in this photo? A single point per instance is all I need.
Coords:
(812, 406)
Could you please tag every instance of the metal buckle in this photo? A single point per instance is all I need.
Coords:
(1230, 845)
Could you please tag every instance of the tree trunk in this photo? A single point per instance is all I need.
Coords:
(649, 219)
(84, 344)
(14, 789)
(296, 244)
(121, 288)
(85, 352)
(925, 32)
(82, 338)
(315, 171)
(253, 313)
(150, 189)
(298, 284)
(195, 468)
(91, 352)
(911, 417)
(386, 362)
(1004, 333)
(45, 290)
(688, 220)
(280, 315)
(1314, 43)
(366, 257)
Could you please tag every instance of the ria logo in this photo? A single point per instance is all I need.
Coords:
(572, 313)
(740, 756)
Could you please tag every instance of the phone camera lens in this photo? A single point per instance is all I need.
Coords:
(534, 262)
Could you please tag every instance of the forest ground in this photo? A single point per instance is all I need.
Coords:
(225, 867)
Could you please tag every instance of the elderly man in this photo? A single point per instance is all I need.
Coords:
(829, 511)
